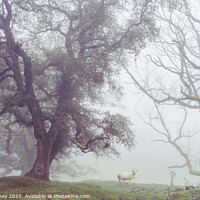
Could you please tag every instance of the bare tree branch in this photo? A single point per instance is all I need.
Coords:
(177, 166)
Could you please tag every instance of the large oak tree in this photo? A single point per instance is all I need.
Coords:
(57, 58)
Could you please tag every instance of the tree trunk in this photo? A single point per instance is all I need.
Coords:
(42, 162)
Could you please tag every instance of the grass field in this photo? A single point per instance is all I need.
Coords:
(34, 189)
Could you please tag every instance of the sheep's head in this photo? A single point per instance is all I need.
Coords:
(134, 172)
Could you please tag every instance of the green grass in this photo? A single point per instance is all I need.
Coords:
(28, 188)
(115, 186)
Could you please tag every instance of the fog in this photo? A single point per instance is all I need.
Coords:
(151, 159)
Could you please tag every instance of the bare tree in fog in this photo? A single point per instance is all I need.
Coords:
(173, 74)
(71, 168)
(57, 58)
(176, 134)
(18, 148)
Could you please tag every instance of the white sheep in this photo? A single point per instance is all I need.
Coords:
(126, 176)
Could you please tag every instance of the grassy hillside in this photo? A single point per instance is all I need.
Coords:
(115, 186)
(34, 189)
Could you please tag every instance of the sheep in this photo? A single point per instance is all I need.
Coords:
(126, 176)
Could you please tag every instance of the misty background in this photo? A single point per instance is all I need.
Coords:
(154, 58)
(150, 158)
